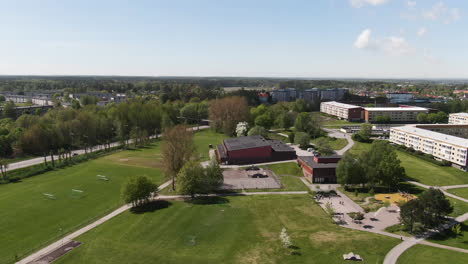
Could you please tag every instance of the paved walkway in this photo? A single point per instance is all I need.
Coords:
(393, 255)
(44, 251)
(35, 161)
(338, 134)
(454, 186)
(443, 188)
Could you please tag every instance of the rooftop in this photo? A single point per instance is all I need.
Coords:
(246, 142)
(337, 104)
(391, 109)
(280, 146)
(460, 114)
(419, 131)
(310, 161)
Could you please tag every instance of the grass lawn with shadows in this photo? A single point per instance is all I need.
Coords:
(421, 254)
(228, 230)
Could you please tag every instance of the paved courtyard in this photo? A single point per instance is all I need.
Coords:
(238, 179)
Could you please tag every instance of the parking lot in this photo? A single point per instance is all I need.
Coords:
(250, 179)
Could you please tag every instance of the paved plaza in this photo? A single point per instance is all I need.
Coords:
(238, 179)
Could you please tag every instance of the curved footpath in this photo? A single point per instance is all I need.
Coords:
(393, 255)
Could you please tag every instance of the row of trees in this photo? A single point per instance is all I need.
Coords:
(379, 166)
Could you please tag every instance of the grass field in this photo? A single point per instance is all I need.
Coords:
(28, 220)
(459, 242)
(228, 230)
(462, 192)
(204, 138)
(335, 143)
(420, 254)
(431, 174)
(423, 171)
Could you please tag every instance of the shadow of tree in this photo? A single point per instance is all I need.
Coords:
(208, 200)
(150, 207)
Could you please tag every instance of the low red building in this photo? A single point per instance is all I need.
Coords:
(253, 149)
(319, 169)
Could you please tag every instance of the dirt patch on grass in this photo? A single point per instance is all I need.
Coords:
(256, 255)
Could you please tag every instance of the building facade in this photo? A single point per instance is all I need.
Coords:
(435, 140)
(253, 149)
(402, 114)
(342, 111)
(458, 118)
(319, 169)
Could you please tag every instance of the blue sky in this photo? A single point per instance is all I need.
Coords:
(288, 38)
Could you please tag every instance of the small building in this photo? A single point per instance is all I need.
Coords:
(319, 169)
(253, 149)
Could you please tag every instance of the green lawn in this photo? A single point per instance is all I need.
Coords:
(420, 254)
(462, 192)
(204, 138)
(29, 221)
(423, 171)
(331, 122)
(335, 143)
(459, 207)
(451, 240)
(228, 230)
(431, 174)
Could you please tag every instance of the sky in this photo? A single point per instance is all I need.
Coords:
(264, 38)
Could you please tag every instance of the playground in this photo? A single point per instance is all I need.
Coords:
(394, 198)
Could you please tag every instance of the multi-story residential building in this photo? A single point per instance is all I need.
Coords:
(400, 97)
(311, 95)
(333, 94)
(342, 111)
(283, 95)
(436, 140)
(402, 114)
(458, 118)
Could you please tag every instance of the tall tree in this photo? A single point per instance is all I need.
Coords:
(226, 113)
(178, 149)
(138, 190)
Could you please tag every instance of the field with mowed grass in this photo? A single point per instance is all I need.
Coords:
(462, 192)
(421, 254)
(29, 220)
(431, 174)
(460, 241)
(335, 143)
(423, 171)
(227, 230)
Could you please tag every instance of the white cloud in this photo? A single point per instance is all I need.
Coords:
(421, 32)
(363, 40)
(389, 45)
(360, 3)
(411, 3)
(440, 11)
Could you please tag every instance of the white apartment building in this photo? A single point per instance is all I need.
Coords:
(342, 111)
(458, 118)
(441, 146)
(396, 114)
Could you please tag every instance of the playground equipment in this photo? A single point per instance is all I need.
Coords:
(102, 178)
(50, 196)
(75, 193)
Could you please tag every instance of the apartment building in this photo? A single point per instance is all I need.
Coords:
(426, 139)
(402, 114)
(342, 111)
(458, 118)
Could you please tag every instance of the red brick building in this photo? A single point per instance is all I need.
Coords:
(253, 149)
(319, 169)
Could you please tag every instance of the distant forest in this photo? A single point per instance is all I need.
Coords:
(184, 88)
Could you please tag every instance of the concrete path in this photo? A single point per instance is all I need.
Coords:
(338, 134)
(393, 255)
(443, 188)
(44, 251)
(454, 186)
(35, 161)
